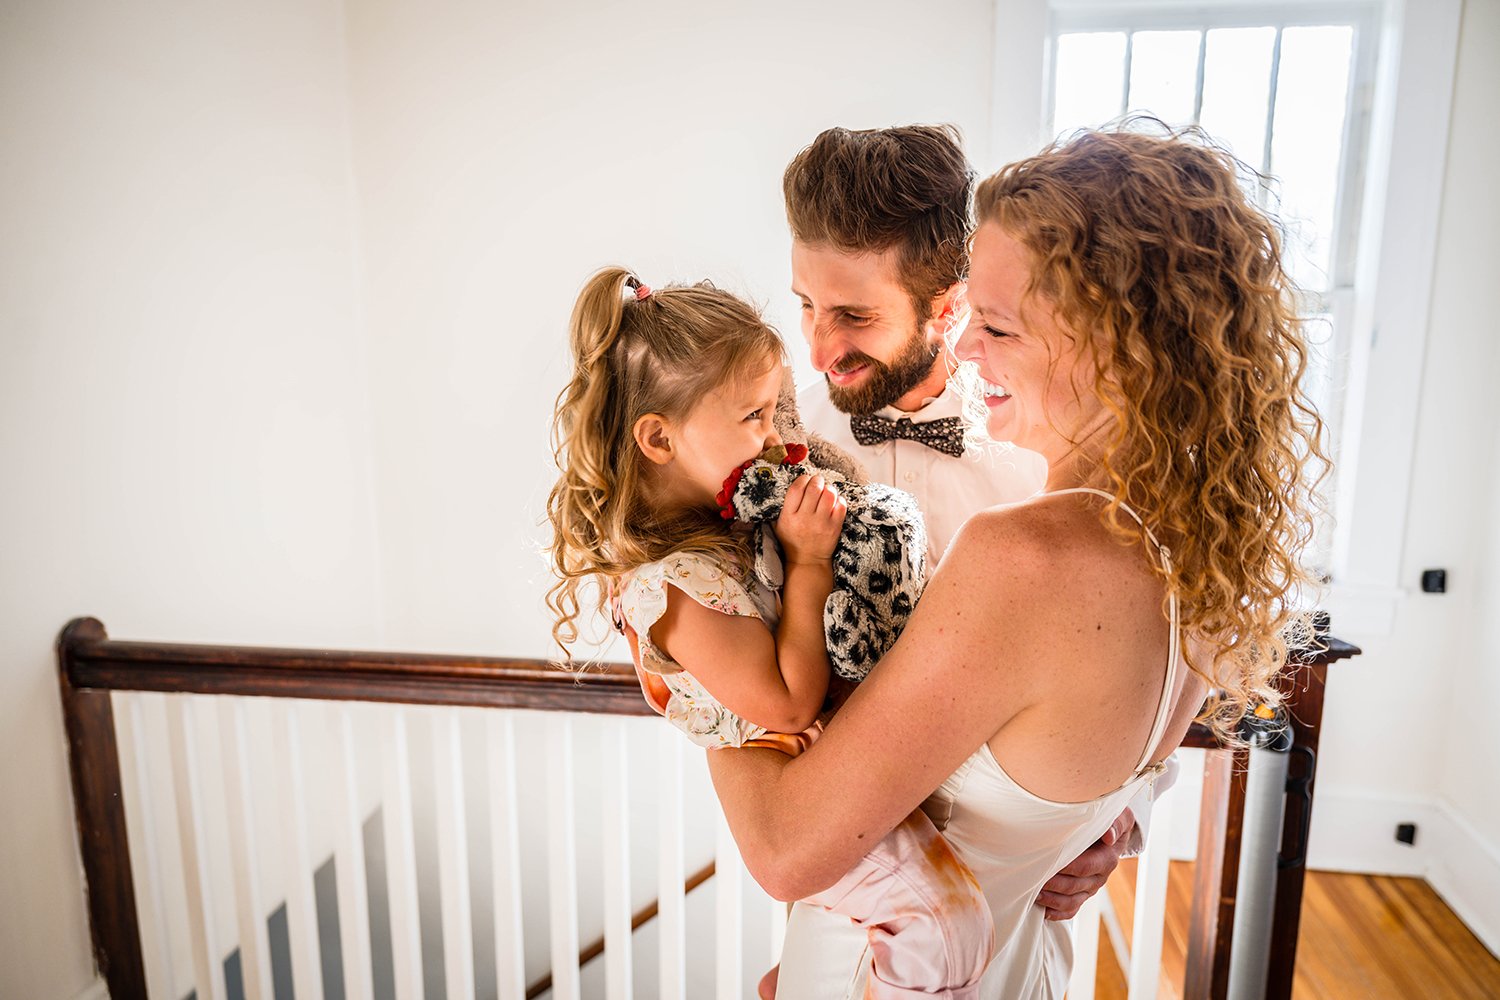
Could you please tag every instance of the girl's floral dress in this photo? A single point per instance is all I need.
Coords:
(643, 600)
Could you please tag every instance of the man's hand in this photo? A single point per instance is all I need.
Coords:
(1070, 888)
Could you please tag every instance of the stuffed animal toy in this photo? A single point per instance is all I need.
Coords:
(880, 562)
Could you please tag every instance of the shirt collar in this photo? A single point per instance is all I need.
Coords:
(948, 403)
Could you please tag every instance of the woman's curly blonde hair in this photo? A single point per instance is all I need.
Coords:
(1147, 249)
(637, 352)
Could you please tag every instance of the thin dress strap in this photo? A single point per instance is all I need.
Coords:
(1174, 639)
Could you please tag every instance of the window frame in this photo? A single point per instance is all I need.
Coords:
(1384, 253)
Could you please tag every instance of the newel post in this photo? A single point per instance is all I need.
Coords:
(94, 761)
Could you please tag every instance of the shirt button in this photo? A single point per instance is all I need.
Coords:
(911, 477)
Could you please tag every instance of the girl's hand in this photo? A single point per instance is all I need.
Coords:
(811, 517)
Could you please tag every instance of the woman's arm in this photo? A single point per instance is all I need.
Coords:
(957, 675)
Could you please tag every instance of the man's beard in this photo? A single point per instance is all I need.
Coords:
(887, 381)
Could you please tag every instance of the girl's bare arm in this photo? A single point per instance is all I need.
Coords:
(780, 683)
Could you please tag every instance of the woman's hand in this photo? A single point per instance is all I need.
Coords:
(811, 517)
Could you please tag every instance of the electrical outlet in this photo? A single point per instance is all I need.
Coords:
(1406, 833)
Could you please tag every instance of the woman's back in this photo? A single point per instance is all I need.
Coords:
(1101, 640)
(1012, 839)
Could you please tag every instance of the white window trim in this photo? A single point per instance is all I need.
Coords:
(1147, 15)
(1396, 263)
(1401, 196)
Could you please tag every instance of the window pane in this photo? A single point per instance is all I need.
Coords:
(1237, 89)
(1306, 139)
(1164, 74)
(1090, 79)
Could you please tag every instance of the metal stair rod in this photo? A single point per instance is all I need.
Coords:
(1270, 739)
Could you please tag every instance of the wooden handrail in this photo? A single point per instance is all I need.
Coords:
(91, 665)
(94, 661)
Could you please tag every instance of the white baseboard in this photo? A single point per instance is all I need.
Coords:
(97, 990)
(1464, 868)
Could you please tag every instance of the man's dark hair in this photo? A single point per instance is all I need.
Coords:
(869, 191)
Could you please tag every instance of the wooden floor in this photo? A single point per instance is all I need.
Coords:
(1363, 937)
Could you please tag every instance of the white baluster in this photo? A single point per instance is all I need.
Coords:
(562, 858)
(140, 809)
(349, 866)
(202, 925)
(250, 911)
(1085, 949)
(401, 859)
(616, 840)
(505, 857)
(671, 915)
(1151, 902)
(453, 854)
(729, 900)
(301, 899)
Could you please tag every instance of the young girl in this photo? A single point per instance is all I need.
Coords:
(671, 391)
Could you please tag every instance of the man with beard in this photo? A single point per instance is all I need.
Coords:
(880, 225)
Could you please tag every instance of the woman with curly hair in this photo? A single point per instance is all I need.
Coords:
(1132, 322)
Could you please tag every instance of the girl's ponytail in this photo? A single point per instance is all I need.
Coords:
(586, 437)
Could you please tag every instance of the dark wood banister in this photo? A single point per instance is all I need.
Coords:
(95, 661)
(91, 665)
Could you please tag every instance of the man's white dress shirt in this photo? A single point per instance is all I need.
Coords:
(948, 489)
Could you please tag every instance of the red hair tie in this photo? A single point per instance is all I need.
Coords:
(641, 292)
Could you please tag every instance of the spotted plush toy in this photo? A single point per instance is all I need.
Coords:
(879, 564)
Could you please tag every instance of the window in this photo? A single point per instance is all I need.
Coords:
(1286, 89)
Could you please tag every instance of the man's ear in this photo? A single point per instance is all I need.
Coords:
(949, 309)
(653, 437)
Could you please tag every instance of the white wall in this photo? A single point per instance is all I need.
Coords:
(184, 405)
(1461, 420)
(504, 152)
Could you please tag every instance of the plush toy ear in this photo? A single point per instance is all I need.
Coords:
(821, 453)
(788, 420)
(767, 553)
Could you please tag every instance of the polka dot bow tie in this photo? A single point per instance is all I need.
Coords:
(945, 434)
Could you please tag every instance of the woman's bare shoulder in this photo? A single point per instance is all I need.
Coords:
(1036, 543)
